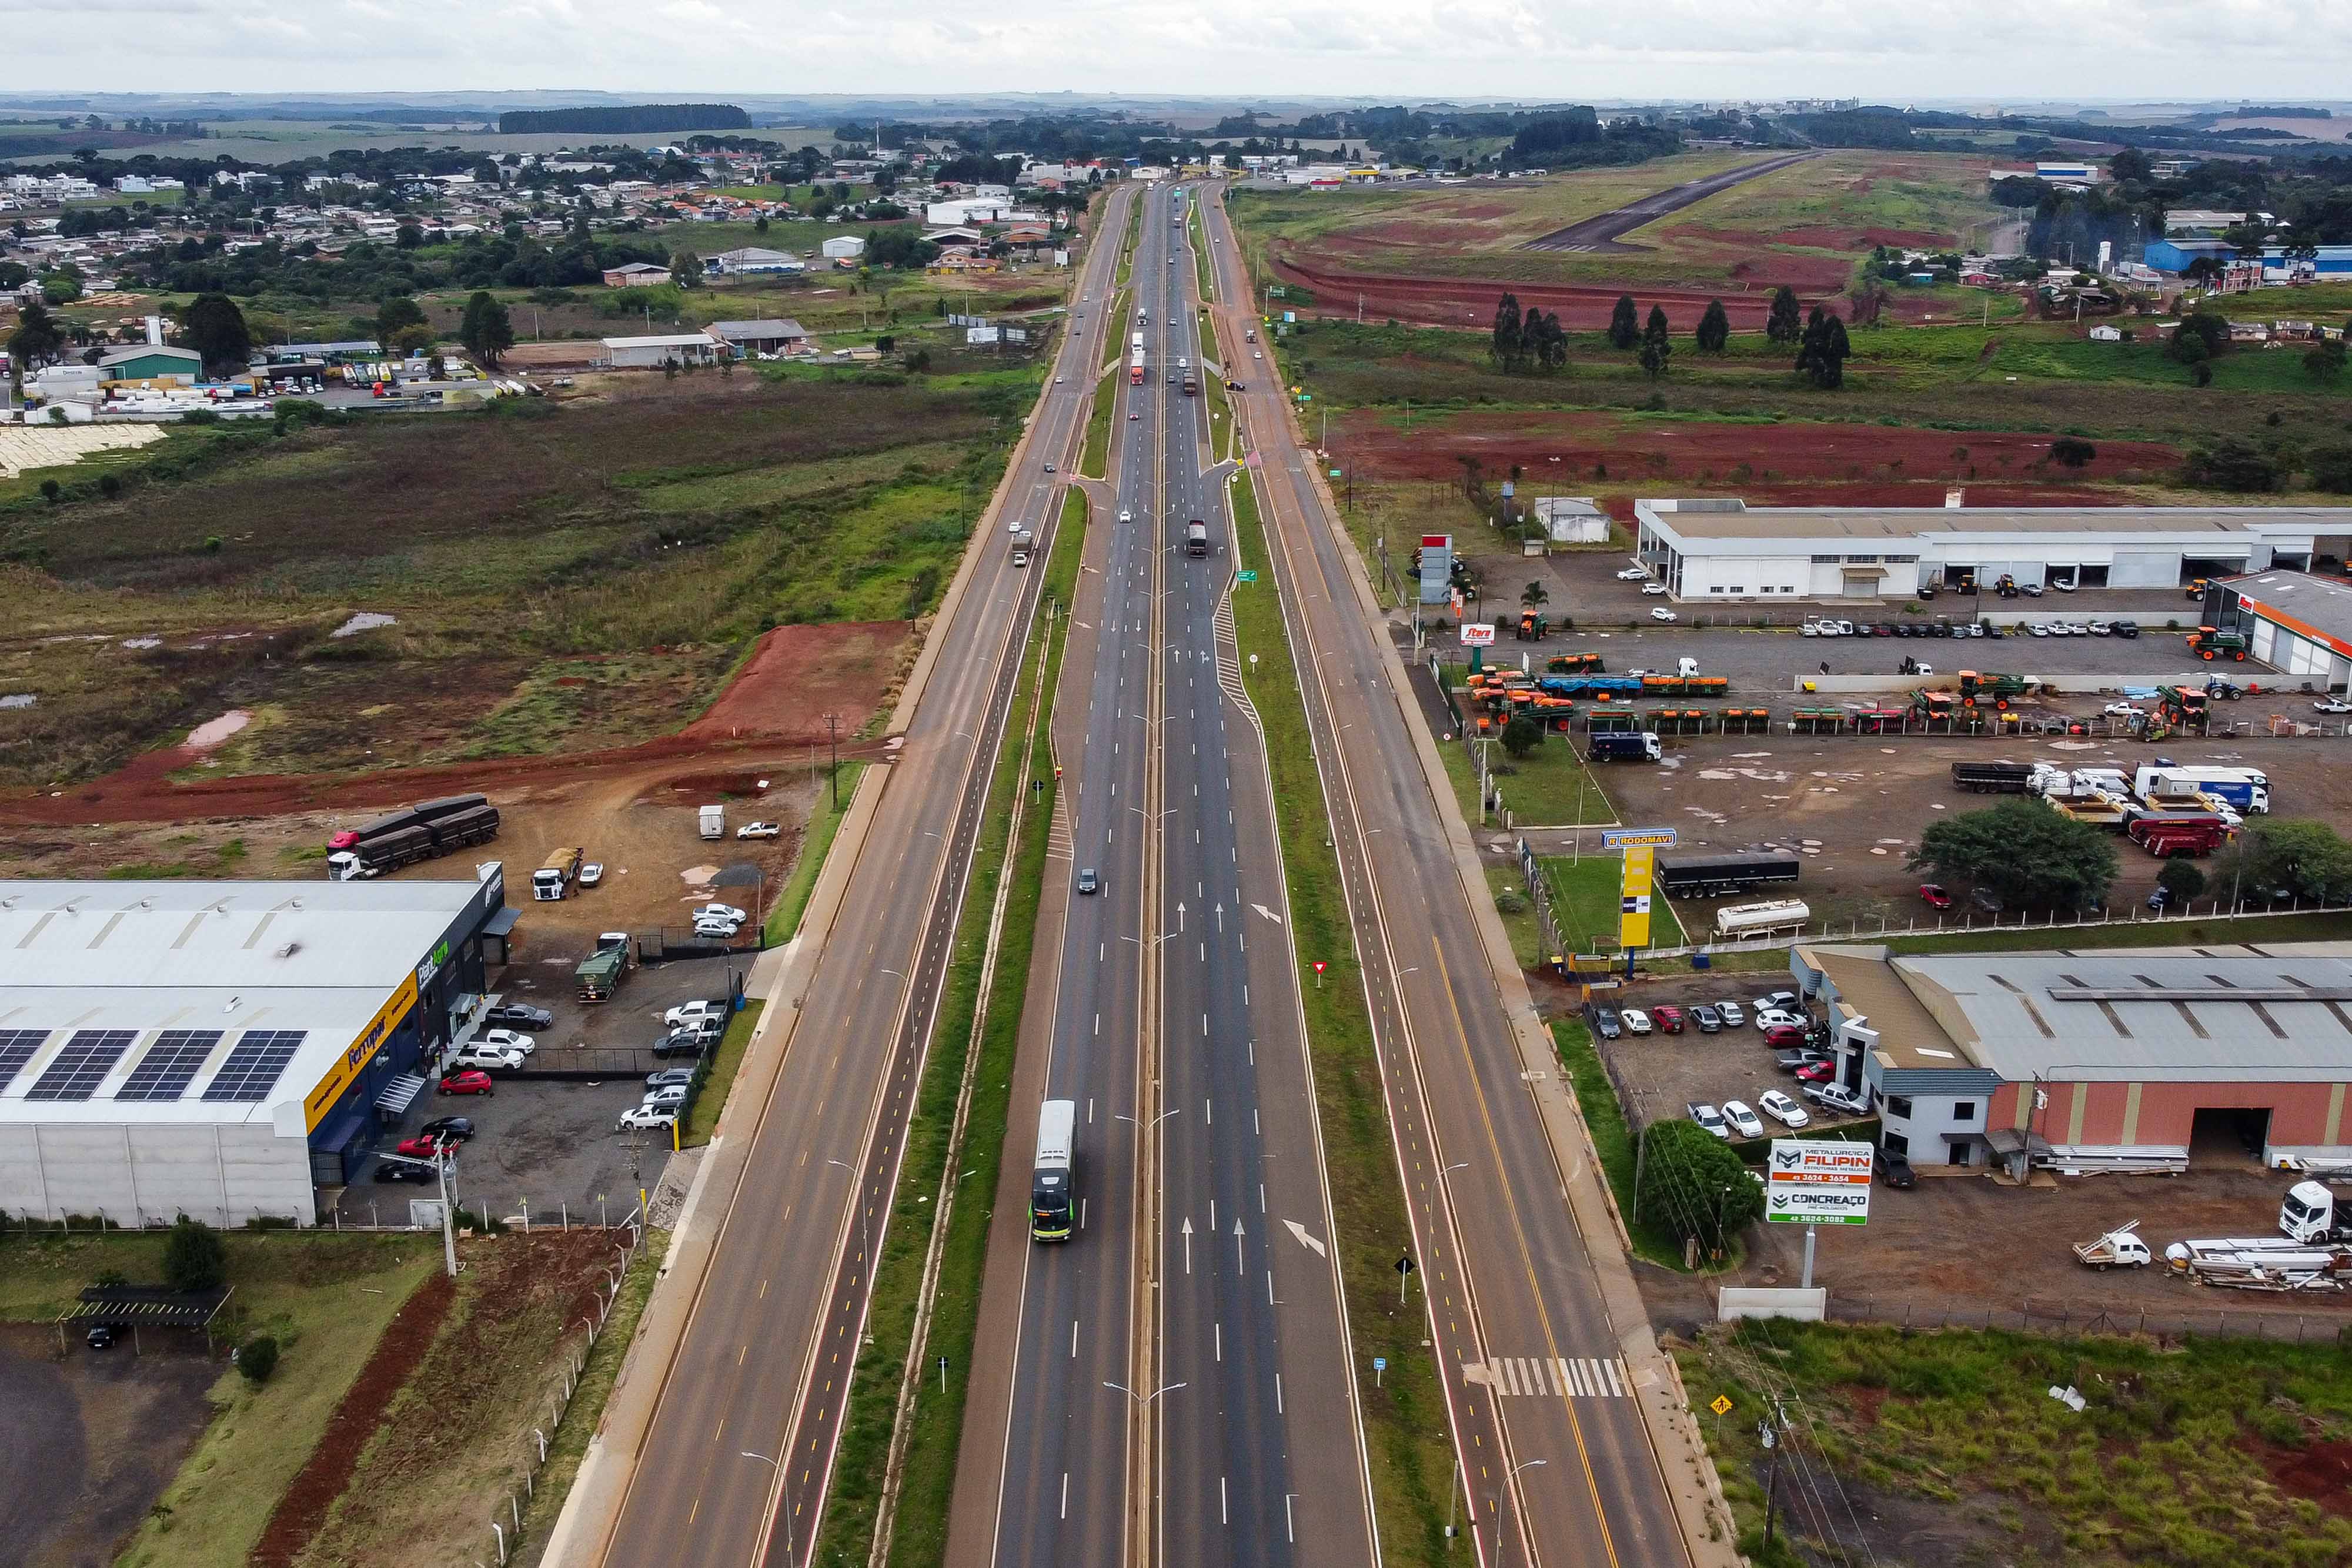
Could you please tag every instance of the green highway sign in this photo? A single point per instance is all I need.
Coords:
(1245, 577)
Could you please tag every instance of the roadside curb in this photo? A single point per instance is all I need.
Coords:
(1699, 1513)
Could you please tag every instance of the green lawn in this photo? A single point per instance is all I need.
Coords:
(568, 1443)
(2177, 1461)
(816, 841)
(1404, 1414)
(1613, 1140)
(325, 1297)
(718, 1078)
(1094, 461)
(1550, 786)
(1587, 891)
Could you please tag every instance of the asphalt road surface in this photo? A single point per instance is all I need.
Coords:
(1555, 1464)
(735, 1464)
(1600, 234)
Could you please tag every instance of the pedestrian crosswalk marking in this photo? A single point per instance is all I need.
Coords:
(1558, 1377)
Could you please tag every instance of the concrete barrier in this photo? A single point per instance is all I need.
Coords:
(1735, 1302)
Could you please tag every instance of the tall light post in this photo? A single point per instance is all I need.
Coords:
(865, 1246)
(1145, 1399)
(833, 738)
(1508, 1482)
(787, 1483)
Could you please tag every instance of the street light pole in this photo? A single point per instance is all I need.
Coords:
(1508, 1482)
(865, 1246)
(832, 736)
(789, 1509)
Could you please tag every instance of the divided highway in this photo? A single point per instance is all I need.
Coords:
(1557, 1466)
(734, 1466)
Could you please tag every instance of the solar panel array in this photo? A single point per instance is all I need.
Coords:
(76, 1070)
(16, 1048)
(253, 1064)
(169, 1064)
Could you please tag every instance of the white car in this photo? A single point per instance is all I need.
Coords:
(1777, 1017)
(1782, 1109)
(688, 1014)
(1635, 1020)
(759, 831)
(646, 1118)
(1654, 588)
(1634, 574)
(2124, 710)
(1711, 1119)
(1125, 516)
(1733, 1014)
(488, 1058)
(1743, 1121)
(506, 1039)
(2062, 587)
(592, 874)
(1810, 628)
(721, 911)
(2332, 704)
(721, 929)
(2039, 629)
(2103, 628)
(1256, 355)
(1661, 613)
(1057, 381)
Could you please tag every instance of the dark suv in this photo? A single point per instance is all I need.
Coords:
(680, 1043)
(1894, 1170)
(518, 1015)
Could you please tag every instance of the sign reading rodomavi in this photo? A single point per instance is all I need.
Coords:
(1817, 1181)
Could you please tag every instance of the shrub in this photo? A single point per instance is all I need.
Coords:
(2231, 464)
(51, 491)
(109, 485)
(258, 1358)
(193, 1257)
(1511, 901)
(2071, 453)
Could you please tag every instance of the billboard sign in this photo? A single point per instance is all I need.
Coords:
(1626, 837)
(1817, 1181)
(1436, 568)
(1477, 634)
(1633, 903)
(977, 335)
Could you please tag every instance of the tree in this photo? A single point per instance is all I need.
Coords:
(1785, 324)
(686, 269)
(408, 236)
(487, 329)
(2207, 329)
(37, 340)
(1522, 735)
(258, 1358)
(1694, 1185)
(1714, 328)
(214, 328)
(2071, 452)
(1508, 332)
(2230, 463)
(1821, 356)
(1658, 348)
(1624, 323)
(2331, 470)
(1534, 596)
(2245, 240)
(60, 288)
(393, 313)
(413, 339)
(2300, 858)
(2024, 854)
(2130, 163)
(2323, 362)
(2181, 881)
(193, 1257)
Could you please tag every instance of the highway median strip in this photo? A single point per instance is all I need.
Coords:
(921, 1483)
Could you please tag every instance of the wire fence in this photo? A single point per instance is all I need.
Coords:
(2064, 1318)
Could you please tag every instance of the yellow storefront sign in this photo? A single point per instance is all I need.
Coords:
(1634, 907)
(362, 1050)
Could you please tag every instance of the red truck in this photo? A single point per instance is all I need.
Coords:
(2164, 837)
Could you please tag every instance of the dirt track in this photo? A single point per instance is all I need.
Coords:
(1600, 234)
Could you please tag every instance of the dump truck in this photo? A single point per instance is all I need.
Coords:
(2118, 1249)
(1630, 746)
(1996, 690)
(2170, 837)
(556, 874)
(1994, 778)
(600, 974)
(2210, 643)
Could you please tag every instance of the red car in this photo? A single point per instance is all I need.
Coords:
(1936, 897)
(424, 1148)
(1819, 1072)
(473, 1081)
(1784, 1036)
(1669, 1020)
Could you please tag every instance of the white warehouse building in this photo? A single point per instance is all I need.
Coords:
(1721, 549)
(221, 1049)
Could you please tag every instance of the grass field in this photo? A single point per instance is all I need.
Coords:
(1587, 894)
(711, 1097)
(2223, 1455)
(1404, 1414)
(559, 577)
(816, 842)
(1613, 1140)
(325, 1297)
(1550, 786)
(960, 1062)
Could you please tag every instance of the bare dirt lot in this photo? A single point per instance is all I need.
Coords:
(90, 1441)
(1339, 289)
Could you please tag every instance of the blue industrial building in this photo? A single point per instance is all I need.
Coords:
(2175, 256)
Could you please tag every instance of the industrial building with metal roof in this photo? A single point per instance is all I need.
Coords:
(221, 1048)
(2120, 1058)
(2297, 622)
(1720, 548)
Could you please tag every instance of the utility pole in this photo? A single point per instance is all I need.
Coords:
(833, 733)
(1771, 1441)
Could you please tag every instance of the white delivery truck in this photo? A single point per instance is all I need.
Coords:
(714, 822)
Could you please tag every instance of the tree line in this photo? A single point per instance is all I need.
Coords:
(1524, 339)
(625, 120)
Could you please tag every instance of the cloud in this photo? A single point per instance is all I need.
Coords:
(1468, 50)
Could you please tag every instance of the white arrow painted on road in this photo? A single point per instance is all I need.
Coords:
(1188, 1244)
(1306, 1240)
(1269, 913)
(1180, 914)
(1238, 1262)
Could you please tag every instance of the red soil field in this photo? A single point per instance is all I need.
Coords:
(1708, 452)
(1470, 301)
(798, 674)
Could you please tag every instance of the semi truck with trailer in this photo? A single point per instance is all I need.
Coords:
(1767, 918)
(1627, 745)
(1134, 369)
(2247, 788)
(419, 832)
(1994, 778)
(1716, 876)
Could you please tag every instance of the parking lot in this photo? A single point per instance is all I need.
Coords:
(1659, 1074)
(548, 1145)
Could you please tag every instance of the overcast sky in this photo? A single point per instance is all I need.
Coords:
(2147, 50)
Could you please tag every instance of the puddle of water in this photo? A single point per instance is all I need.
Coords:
(136, 644)
(212, 732)
(17, 699)
(365, 620)
(698, 873)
